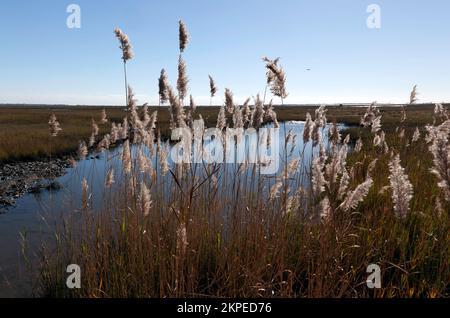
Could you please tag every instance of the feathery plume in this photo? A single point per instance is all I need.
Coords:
(271, 115)
(182, 241)
(144, 198)
(325, 208)
(322, 154)
(212, 86)
(307, 129)
(356, 196)
(369, 116)
(433, 132)
(192, 104)
(238, 120)
(229, 100)
(318, 179)
(385, 147)
(182, 82)
(221, 119)
(127, 54)
(270, 77)
(376, 125)
(145, 117)
(162, 84)
(137, 128)
(163, 158)
(143, 161)
(440, 111)
(150, 133)
(440, 149)
(416, 135)
(150, 142)
(347, 139)
(320, 116)
(103, 117)
(178, 116)
(334, 135)
(114, 133)
(379, 139)
(82, 150)
(371, 166)
(191, 111)
(54, 126)
(125, 46)
(258, 113)
(402, 189)
(338, 161)
(343, 184)
(132, 101)
(153, 120)
(84, 194)
(293, 166)
(413, 96)
(94, 126)
(316, 134)
(276, 78)
(290, 139)
(123, 132)
(126, 156)
(246, 112)
(104, 143)
(275, 190)
(183, 35)
(359, 145)
(404, 116)
(412, 100)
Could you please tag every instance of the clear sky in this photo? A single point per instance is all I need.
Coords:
(43, 61)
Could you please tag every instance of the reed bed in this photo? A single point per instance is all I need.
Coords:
(24, 134)
(378, 195)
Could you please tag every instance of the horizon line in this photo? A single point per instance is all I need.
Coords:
(220, 105)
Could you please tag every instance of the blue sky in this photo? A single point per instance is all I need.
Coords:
(46, 62)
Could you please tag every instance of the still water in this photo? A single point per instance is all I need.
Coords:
(31, 222)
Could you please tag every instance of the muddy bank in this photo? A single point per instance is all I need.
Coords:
(17, 179)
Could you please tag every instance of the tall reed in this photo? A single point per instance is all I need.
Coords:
(195, 229)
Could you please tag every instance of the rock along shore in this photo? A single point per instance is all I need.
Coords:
(17, 179)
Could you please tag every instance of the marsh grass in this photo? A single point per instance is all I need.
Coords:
(238, 243)
(23, 135)
(24, 130)
(227, 230)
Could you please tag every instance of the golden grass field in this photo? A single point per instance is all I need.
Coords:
(198, 229)
(177, 235)
(24, 133)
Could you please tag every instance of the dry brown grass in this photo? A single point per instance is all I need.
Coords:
(24, 134)
(220, 230)
(239, 243)
(24, 131)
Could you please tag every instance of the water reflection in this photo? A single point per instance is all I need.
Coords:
(34, 216)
